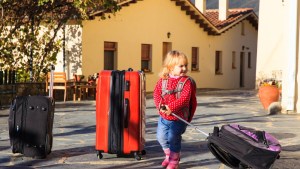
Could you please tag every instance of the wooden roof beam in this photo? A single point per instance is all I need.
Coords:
(190, 12)
(180, 3)
(195, 17)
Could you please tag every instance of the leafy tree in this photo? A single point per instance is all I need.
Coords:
(29, 38)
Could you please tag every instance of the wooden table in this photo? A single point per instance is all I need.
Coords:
(84, 91)
(81, 89)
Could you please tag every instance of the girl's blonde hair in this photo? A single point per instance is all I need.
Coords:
(172, 59)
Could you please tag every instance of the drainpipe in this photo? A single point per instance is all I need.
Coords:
(292, 55)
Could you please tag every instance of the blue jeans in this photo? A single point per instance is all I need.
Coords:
(169, 134)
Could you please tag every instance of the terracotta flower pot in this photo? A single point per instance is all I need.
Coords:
(76, 78)
(268, 95)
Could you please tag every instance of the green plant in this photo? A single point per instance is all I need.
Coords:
(22, 76)
(30, 36)
(270, 82)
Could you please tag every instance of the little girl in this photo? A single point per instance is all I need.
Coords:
(170, 129)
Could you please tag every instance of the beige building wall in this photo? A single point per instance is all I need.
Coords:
(271, 37)
(70, 60)
(298, 63)
(228, 42)
(146, 22)
(278, 48)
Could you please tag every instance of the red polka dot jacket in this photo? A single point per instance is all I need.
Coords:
(177, 106)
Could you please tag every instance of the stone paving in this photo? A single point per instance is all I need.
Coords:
(74, 135)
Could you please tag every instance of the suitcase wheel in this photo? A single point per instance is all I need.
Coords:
(99, 155)
(48, 144)
(137, 156)
(13, 148)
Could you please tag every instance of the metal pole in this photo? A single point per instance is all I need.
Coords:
(64, 47)
(51, 81)
(195, 127)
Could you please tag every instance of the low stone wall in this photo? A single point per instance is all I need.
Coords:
(9, 91)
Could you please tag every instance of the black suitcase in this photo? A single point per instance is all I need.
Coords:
(242, 147)
(30, 125)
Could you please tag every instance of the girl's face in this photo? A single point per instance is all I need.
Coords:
(179, 70)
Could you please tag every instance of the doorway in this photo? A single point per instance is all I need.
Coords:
(167, 47)
(242, 68)
(110, 60)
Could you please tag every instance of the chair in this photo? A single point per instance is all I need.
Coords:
(59, 82)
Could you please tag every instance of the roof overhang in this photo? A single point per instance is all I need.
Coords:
(192, 11)
(251, 17)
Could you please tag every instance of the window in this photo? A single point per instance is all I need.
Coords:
(242, 70)
(146, 57)
(242, 28)
(110, 50)
(195, 59)
(167, 46)
(249, 60)
(218, 63)
(233, 60)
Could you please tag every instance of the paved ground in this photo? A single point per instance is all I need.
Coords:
(74, 135)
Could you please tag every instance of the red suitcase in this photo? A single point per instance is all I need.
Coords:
(120, 113)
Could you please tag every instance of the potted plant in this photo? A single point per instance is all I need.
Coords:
(269, 91)
(78, 78)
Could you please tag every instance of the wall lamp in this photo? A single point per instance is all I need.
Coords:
(169, 34)
(244, 47)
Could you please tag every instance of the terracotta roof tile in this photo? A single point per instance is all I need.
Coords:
(234, 14)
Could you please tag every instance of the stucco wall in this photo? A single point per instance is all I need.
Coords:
(278, 47)
(71, 53)
(271, 37)
(232, 40)
(147, 22)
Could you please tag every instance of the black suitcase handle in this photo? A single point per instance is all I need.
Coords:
(126, 112)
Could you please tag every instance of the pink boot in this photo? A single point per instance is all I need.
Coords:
(173, 160)
(166, 161)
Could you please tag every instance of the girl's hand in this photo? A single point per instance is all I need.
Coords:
(165, 109)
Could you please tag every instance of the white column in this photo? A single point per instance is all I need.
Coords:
(223, 9)
(288, 92)
(201, 5)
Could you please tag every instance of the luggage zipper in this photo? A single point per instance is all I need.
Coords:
(23, 120)
(18, 128)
